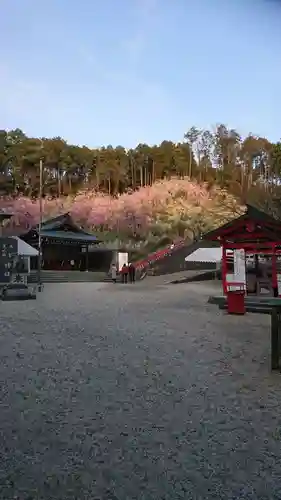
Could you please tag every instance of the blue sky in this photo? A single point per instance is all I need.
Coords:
(130, 71)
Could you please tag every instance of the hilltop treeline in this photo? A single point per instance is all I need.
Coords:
(220, 157)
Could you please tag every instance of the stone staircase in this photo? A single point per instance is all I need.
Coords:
(67, 277)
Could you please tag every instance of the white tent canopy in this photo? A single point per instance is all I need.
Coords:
(212, 254)
(25, 249)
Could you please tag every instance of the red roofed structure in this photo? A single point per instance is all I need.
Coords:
(254, 232)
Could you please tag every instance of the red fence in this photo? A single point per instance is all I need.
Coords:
(159, 254)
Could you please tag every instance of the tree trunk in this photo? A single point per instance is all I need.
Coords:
(59, 182)
(132, 163)
(109, 184)
(97, 178)
(190, 162)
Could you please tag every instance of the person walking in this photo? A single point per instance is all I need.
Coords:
(132, 273)
(124, 273)
(114, 272)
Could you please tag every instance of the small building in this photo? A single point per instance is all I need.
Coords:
(255, 235)
(66, 246)
(15, 255)
(205, 255)
(21, 264)
(24, 249)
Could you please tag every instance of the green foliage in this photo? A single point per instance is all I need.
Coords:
(230, 171)
(220, 157)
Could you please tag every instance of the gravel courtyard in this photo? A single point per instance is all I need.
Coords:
(136, 392)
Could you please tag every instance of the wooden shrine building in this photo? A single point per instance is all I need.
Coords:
(258, 235)
(66, 246)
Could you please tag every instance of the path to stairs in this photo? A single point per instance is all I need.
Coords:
(172, 277)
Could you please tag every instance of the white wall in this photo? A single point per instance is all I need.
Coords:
(122, 258)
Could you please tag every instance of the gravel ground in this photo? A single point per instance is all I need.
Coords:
(136, 392)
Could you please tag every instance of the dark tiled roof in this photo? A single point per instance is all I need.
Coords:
(69, 235)
(60, 221)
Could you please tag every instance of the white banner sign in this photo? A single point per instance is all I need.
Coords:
(239, 266)
(122, 259)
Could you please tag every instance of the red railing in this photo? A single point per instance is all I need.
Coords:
(159, 254)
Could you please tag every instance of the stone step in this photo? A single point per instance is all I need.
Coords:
(249, 301)
(66, 277)
(251, 304)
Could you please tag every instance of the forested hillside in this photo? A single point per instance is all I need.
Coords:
(165, 190)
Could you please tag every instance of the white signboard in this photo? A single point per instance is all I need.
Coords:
(122, 259)
(239, 274)
(239, 266)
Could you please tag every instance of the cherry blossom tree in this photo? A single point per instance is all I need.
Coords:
(165, 208)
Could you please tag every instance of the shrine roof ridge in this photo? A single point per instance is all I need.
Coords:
(271, 224)
(68, 235)
(56, 223)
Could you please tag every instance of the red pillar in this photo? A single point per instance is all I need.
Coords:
(224, 269)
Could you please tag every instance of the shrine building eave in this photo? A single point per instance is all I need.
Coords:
(61, 229)
(254, 226)
(69, 236)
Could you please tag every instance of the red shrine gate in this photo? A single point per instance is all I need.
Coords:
(254, 233)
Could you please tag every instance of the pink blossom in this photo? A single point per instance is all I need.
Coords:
(129, 214)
